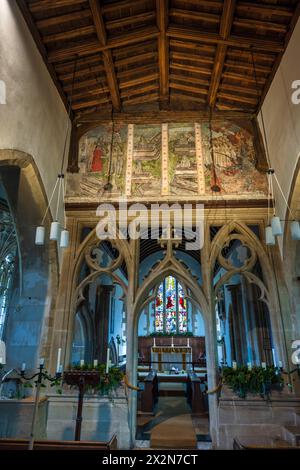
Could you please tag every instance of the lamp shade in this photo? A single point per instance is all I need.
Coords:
(40, 235)
(270, 239)
(55, 231)
(295, 230)
(276, 226)
(64, 239)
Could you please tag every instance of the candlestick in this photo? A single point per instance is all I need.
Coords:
(58, 359)
(95, 362)
(23, 367)
(234, 365)
(264, 365)
(107, 361)
(249, 365)
(82, 363)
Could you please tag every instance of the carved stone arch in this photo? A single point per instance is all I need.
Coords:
(251, 239)
(183, 277)
(78, 294)
(92, 240)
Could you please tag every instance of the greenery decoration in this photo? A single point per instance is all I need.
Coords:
(170, 335)
(258, 380)
(108, 382)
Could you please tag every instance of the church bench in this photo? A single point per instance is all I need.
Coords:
(22, 444)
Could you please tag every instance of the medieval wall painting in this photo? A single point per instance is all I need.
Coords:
(146, 160)
(183, 173)
(174, 159)
(102, 157)
(234, 159)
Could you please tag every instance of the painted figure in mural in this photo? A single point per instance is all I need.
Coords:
(97, 165)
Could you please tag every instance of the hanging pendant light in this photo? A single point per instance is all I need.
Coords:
(55, 231)
(40, 235)
(295, 230)
(269, 237)
(64, 239)
(56, 234)
(276, 226)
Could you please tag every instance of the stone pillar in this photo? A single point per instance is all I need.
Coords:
(102, 312)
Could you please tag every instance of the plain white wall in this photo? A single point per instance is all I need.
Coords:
(33, 119)
(282, 121)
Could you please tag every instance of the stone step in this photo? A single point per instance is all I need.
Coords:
(292, 434)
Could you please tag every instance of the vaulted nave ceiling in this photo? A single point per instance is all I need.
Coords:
(176, 54)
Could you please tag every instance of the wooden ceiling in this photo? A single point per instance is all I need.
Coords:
(176, 54)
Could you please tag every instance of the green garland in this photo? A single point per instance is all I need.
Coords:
(258, 380)
(170, 335)
(108, 382)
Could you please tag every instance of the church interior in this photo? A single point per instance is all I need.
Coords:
(149, 224)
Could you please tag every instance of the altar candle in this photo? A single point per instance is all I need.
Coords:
(172, 342)
(58, 359)
(95, 362)
(82, 363)
(264, 365)
(42, 362)
(280, 364)
(249, 365)
(107, 361)
(154, 342)
(234, 365)
(188, 342)
(23, 367)
(1, 360)
(60, 369)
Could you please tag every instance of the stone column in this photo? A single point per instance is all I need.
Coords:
(102, 312)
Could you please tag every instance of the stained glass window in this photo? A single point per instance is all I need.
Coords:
(170, 308)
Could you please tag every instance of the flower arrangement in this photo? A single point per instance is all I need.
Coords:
(107, 382)
(258, 380)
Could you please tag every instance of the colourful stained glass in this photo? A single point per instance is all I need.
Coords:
(159, 310)
(182, 312)
(170, 308)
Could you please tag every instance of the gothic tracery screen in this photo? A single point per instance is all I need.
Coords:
(170, 308)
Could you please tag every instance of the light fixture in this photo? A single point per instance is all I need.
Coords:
(58, 232)
(274, 227)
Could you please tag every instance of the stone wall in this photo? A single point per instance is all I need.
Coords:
(253, 419)
(102, 417)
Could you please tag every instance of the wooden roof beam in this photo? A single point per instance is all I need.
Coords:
(71, 34)
(236, 41)
(139, 80)
(61, 19)
(225, 29)
(46, 5)
(163, 52)
(107, 55)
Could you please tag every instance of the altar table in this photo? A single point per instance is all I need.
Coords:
(166, 357)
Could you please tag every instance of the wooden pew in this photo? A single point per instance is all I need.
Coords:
(195, 396)
(149, 395)
(22, 444)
